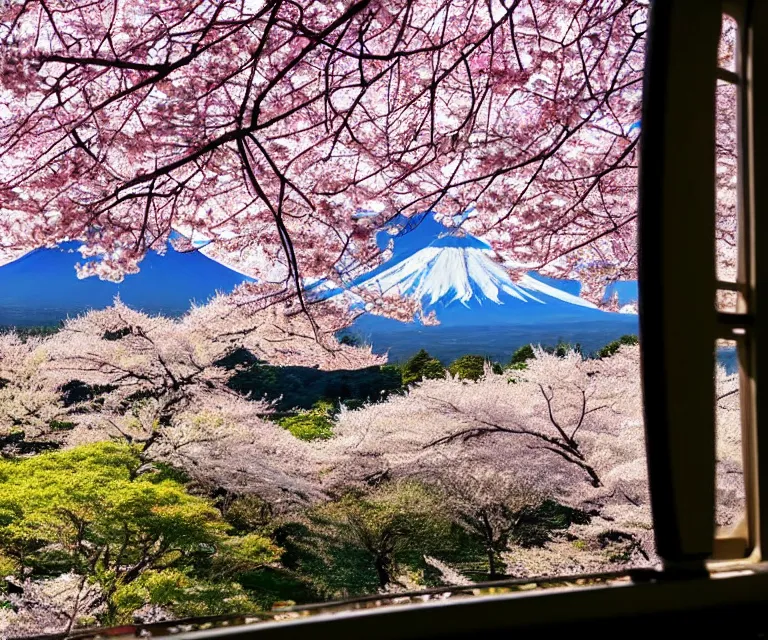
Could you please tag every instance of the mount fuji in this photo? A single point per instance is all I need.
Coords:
(457, 276)
(479, 307)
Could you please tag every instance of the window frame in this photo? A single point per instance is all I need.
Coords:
(677, 246)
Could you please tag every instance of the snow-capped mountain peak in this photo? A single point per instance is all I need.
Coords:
(449, 274)
(455, 267)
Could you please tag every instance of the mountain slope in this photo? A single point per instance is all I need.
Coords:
(456, 275)
(42, 287)
(480, 308)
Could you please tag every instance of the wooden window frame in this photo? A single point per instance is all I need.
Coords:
(678, 285)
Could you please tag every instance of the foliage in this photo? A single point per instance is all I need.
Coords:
(612, 347)
(562, 349)
(351, 340)
(183, 596)
(89, 510)
(389, 525)
(534, 526)
(8, 567)
(40, 331)
(411, 370)
(433, 370)
(489, 506)
(500, 509)
(521, 356)
(618, 546)
(468, 367)
(293, 387)
(310, 425)
(248, 513)
(422, 366)
(320, 560)
(278, 586)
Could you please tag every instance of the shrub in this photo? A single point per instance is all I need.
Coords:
(41, 331)
(184, 595)
(141, 536)
(469, 367)
(300, 387)
(394, 526)
(413, 370)
(535, 526)
(612, 347)
(521, 356)
(351, 340)
(61, 425)
(562, 348)
(315, 424)
(249, 513)
(433, 370)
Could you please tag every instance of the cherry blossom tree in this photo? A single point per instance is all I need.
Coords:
(389, 522)
(490, 505)
(163, 388)
(54, 605)
(29, 405)
(281, 334)
(726, 167)
(284, 134)
(729, 479)
(173, 361)
(552, 403)
(501, 425)
(557, 410)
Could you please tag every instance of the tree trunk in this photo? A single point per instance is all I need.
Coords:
(595, 479)
(491, 564)
(382, 564)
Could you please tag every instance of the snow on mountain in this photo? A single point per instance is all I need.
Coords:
(454, 274)
(480, 308)
(457, 275)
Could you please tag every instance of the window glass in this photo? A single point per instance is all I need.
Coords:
(731, 506)
(726, 150)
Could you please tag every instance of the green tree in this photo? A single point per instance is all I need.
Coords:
(612, 347)
(491, 507)
(391, 525)
(433, 370)
(468, 367)
(40, 331)
(422, 366)
(351, 340)
(94, 510)
(521, 356)
(293, 387)
(562, 347)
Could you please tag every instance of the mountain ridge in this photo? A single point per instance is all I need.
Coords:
(42, 288)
